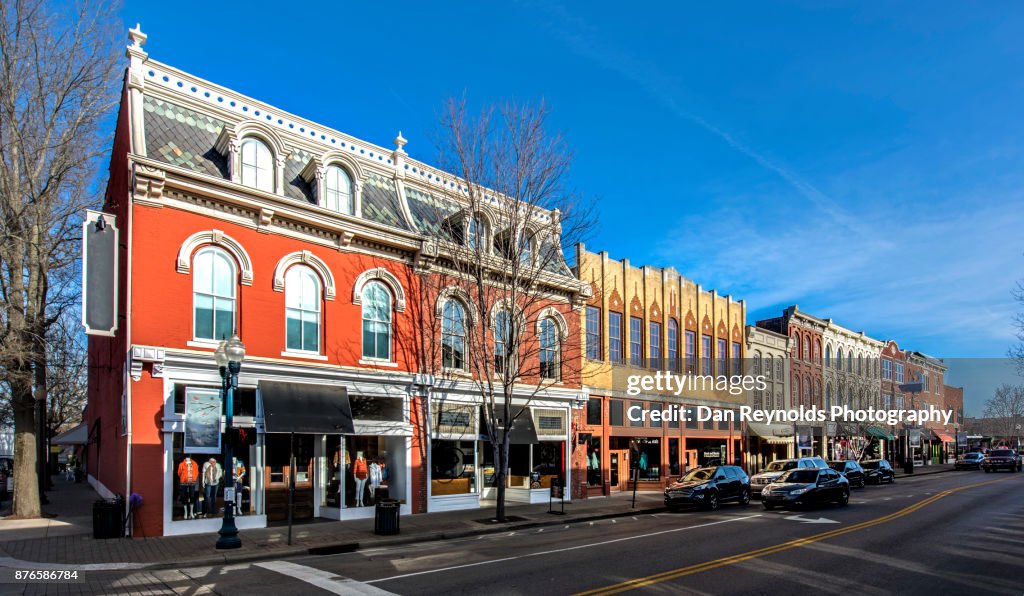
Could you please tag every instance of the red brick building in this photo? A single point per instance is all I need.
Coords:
(315, 248)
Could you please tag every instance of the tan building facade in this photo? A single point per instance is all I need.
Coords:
(768, 356)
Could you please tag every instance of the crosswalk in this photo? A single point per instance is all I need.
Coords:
(324, 580)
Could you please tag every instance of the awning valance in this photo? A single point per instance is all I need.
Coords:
(306, 408)
(523, 431)
(946, 438)
(770, 431)
(878, 432)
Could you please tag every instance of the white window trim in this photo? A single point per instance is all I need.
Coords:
(319, 319)
(218, 238)
(203, 341)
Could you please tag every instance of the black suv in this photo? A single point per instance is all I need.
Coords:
(878, 471)
(807, 487)
(708, 487)
(851, 470)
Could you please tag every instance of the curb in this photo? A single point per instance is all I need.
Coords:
(300, 551)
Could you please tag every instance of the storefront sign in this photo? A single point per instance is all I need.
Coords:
(202, 421)
(455, 421)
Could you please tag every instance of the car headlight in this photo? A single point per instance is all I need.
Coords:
(799, 491)
(698, 488)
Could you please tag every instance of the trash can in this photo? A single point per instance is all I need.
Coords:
(385, 519)
(106, 519)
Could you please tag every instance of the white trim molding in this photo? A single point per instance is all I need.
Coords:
(220, 239)
(383, 275)
(305, 257)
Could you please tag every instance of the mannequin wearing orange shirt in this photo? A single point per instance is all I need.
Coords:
(361, 472)
(188, 476)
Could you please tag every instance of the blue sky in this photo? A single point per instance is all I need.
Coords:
(860, 159)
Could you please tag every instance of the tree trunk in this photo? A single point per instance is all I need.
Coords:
(26, 485)
(501, 477)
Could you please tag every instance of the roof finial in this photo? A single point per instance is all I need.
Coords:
(137, 36)
(400, 141)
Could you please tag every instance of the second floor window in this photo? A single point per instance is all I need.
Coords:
(673, 345)
(705, 354)
(376, 321)
(257, 165)
(338, 190)
(736, 358)
(636, 340)
(593, 333)
(302, 310)
(887, 369)
(502, 341)
(615, 336)
(453, 335)
(899, 372)
(213, 294)
(691, 352)
(549, 368)
(722, 357)
(655, 340)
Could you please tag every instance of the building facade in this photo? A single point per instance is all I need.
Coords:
(320, 252)
(647, 318)
(851, 372)
(768, 356)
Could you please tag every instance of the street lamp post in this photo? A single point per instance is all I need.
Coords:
(229, 357)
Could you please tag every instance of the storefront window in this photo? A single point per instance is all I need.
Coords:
(594, 461)
(615, 412)
(530, 466)
(646, 457)
(547, 463)
(594, 411)
(519, 466)
(198, 480)
(673, 457)
(452, 467)
(374, 469)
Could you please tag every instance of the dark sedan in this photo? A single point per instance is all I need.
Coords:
(806, 487)
(1001, 459)
(877, 471)
(851, 470)
(969, 461)
(708, 487)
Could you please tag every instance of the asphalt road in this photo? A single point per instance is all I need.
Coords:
(954, 533)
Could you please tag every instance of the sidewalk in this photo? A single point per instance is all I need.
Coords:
(924, 470)
(73, 544)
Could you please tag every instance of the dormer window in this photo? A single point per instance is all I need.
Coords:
(338, 194)
(525, 250)
(476, 231)
(257, 165)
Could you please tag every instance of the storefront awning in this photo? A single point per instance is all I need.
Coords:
(773, 433)
(946, 438)
(78, 435)
(878, 432)
(306, 408)
(523, 431)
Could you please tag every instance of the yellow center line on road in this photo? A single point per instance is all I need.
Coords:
(665, 576)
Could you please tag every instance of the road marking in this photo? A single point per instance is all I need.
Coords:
(820, 520)
(672, 574)
(324, 580)
(561, 550)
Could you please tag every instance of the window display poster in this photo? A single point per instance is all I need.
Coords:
(202, 421)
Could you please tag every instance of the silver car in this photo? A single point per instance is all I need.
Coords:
(780, 466)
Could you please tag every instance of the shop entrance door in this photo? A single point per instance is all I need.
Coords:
(278, 476)
(691, 459)
(618, 469)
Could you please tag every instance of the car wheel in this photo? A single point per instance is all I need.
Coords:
(712, 502)
(768, 505)
(844, 499)
(745, 497)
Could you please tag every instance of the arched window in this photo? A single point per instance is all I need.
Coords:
(525, 250)
(798, 347)
(849, 396)
(839, 359)
(860, 364)
(673, 345)
(302, 309)
(757, 363)
(796, 392)
(453, 335)
(828, 391)
(849, 362)
(213, 294)
(828, 356)
(502, 341)
(807, 348)
(549, 365)
(807, 391)
(817, 351)
(338, 190)
(376, 321)
(257, 165)
(476, 231)
(768, 365)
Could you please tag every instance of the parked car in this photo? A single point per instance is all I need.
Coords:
(877, 471)
(709, 487)
(851, 470)
(969, 461)
(779, 467)
(806, 486)
(1001, 459)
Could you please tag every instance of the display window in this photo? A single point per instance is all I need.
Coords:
(363, 470)
(645, 456)
(529, 466)
(452, 467)
(198, 480)
(594, 461)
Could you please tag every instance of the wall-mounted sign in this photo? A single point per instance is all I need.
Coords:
(99, 273)
(202, 421)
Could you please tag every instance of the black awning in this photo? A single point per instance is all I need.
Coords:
(306, 408)
(523, 431)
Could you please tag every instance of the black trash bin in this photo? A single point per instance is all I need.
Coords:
(106, 519)
(385, 519)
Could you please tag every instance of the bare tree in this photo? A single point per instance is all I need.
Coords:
(67, 378)
(57, 83)
(1005, 410)
(500, 236)
(1016, 352)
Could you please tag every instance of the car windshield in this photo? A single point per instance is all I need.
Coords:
(700, 474)
(869, 465)
(801, 476)
(973, 456)
(1001, 453)
(780, 466)
(838, 465)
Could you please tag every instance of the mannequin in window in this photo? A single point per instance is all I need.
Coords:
(376, 476)
(188, 475)
(360, 471)
(212, 473)
(239, 485)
